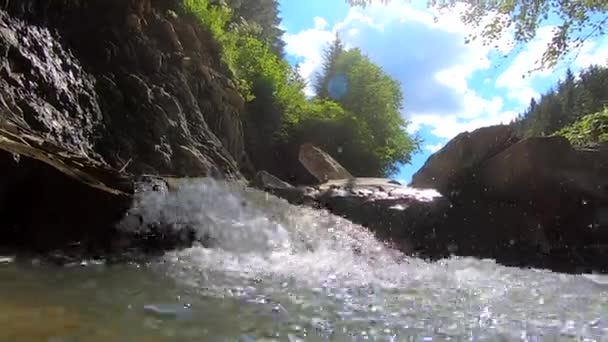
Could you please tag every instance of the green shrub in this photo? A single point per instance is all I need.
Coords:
(363, 130)
(589, 130)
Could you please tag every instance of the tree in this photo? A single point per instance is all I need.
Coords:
(328, 69)
(362, 127)
(571, 99)
(566, 91)
(580, 20)
(375, 100)
(264, 14)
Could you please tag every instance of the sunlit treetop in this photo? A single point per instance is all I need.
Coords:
(579, 21)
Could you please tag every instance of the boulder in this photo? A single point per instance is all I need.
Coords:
(531, 202)
(320, 164)
(566, 188)
(456, 162)
(546, 168)
(265, 181)
(402, 216)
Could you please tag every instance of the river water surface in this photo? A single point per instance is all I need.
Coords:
(276, 272)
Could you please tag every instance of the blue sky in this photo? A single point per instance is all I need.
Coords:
(449, 86)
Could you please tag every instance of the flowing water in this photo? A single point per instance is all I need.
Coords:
(277, 272)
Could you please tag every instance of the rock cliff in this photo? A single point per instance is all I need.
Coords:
(131, 83)
(93, 92)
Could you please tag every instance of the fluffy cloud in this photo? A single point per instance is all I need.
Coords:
(448, 86)
(427, 56)
(307, 46)
(520, 74)
(592, 52)
(434, 148)
(527, 61)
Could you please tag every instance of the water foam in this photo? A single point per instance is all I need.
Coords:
(333, 273)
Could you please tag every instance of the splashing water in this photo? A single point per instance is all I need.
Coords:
(286, 273)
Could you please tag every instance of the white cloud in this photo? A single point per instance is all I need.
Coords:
(453, 70)
(320, 23)
(307, 45)
(592, 52)
(447, 127)
(478, 111)
(520, 74)
(434, 148)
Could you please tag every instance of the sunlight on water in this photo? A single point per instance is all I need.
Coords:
(285, 273)
(327, 270)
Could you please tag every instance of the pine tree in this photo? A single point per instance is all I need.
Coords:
(264, 13)
(566, 92)
(570, 100)
(295, 78)
(330, 60)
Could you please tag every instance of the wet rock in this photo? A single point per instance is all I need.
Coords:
(406, 217)
(514, 231)
(265, 181)
(137, 106)
(532, 202)
(44, 87)
(565, 188)
(320, 164)
(68, 206)
(455, 163)
(547, 169)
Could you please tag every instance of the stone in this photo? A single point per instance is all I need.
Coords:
(265, 181)
(454, 164)
(567, 188)
(133, 23)
(405, 217)
(320, 164)
(132, 106)
(542, 168)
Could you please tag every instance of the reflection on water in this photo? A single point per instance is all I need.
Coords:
(278, 272)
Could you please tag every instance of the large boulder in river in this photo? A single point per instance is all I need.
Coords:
(405, 217)
(532, 202)
(546, 168)
(265, 181)
(320, 164)
(565, 187)
(536, 201)
(447, 169)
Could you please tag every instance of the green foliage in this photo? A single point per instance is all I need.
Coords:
(587, 131)
(214, 18)
(374, 100)
(248, 57)
(363, 129)
(264, 14)
(330, 58)
(570, 100)
(579, 21)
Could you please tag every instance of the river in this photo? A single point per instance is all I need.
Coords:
(277, 272)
